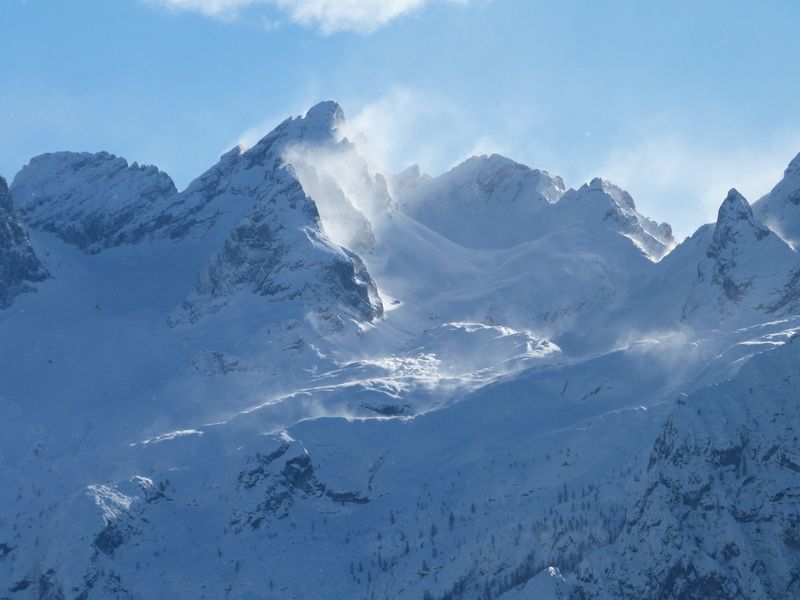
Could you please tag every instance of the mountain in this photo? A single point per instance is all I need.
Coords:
(20, 268)
(302, 378)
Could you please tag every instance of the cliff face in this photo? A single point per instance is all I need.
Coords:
(20, 268)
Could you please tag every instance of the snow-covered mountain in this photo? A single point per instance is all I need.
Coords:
(302, 378)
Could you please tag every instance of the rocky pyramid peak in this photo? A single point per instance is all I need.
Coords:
(735, 223)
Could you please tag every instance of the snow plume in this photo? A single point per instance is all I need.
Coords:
(352, 201)
(410, 125)
(674, 351)
(329, 16)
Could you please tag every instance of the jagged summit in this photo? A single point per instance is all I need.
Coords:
(735, 207)
(745, 268)
(318, 126)
(735, 224)
(327, 114)
(620, 196)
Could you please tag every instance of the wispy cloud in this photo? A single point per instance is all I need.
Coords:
(329, 16)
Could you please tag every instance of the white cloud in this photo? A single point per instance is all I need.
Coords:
(330, 16)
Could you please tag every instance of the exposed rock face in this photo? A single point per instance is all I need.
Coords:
(745, 267)
(89, 200)
(19, 266)
(719, 515)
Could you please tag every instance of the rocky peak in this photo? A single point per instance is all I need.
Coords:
(319, 126)
(735, 224)
(609, 190)
(745, 268)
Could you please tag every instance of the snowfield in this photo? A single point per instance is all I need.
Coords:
(299, 378)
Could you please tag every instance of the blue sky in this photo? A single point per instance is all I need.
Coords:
(676, 101)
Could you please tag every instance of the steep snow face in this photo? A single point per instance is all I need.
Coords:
(746, 268)
(780, 209)
(19, 266)
(87, 199)
(601, 202)
(718, 515)
(486, 202)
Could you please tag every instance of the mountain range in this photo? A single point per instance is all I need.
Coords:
(302, 378)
